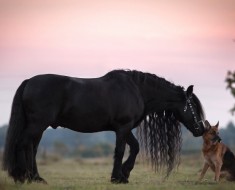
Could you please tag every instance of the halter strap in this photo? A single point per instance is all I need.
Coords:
(188, 103)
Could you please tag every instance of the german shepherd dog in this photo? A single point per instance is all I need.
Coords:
(217, 155)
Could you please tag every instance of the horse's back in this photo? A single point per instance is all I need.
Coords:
(69, 101)
(45, 86)
(43, 97)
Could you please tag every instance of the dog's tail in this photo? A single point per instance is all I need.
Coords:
(229, 164)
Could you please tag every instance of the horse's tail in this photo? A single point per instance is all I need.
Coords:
(16, 126)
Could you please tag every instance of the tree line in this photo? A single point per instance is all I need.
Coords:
(67, 143)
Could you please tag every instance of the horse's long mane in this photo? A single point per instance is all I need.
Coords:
(160, 138)
(141, 77)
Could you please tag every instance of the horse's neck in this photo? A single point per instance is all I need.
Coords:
(159, 99)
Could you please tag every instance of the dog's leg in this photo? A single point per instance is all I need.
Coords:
(204, 169)
(218, 166)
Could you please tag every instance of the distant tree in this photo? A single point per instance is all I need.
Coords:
(3, 131)
(98, 150)
(60, 148)
(230, 80)
(231, 128)
(228, 135)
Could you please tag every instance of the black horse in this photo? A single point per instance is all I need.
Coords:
(119, 101)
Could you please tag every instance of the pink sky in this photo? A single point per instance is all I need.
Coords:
(187, 42)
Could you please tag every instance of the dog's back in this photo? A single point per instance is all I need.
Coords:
(229, 164)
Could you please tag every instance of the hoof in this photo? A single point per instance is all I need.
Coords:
(18, 175)
(19, 180)
(38, 179)
(119, 180)
(126, 173)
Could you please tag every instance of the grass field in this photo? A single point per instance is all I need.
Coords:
(95, 175)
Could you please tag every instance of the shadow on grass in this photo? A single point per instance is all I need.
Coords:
(2, 185)
(193, 182)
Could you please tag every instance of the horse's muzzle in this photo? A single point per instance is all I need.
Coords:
(199, 128)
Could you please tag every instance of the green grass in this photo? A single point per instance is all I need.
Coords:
(95, 175)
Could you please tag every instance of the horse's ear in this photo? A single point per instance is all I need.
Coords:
(189, 91)
(207, 125)
(217, 125)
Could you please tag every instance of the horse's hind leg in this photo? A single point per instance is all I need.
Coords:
(20, 169)
(28, 149)
(128, 165)
(23, 169)
(36, 177)
(35, 134)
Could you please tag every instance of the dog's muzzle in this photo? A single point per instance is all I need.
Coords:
(216, 139)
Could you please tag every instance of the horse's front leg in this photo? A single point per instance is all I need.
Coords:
(117, 175)
(134, 150)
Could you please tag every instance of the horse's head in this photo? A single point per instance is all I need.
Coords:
(190, 113)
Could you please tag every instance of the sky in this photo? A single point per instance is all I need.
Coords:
(186, 42)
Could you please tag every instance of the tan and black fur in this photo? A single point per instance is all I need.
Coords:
(217, 155)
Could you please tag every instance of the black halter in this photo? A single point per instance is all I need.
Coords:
(188, 102)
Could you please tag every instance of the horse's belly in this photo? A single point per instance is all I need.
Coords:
(86, 123)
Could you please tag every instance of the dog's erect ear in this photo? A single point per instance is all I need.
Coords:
(189, 91)
(207, 125)
(217, 125)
